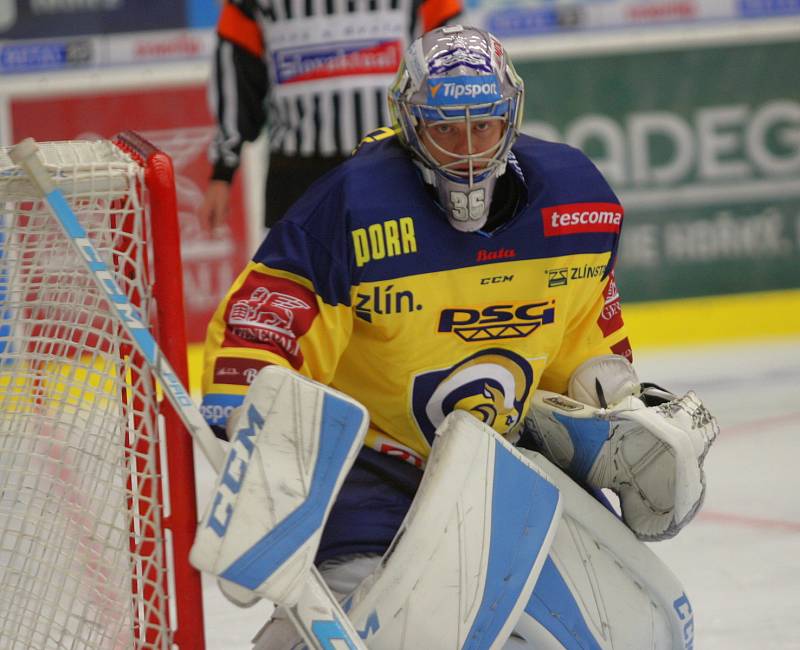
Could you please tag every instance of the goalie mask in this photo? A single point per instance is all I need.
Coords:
(457, 104)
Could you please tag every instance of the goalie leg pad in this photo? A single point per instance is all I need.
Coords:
(464, 562)
(600, 587)
(296, 440)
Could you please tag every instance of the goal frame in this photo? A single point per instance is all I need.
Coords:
(159, 510)
(181, 521)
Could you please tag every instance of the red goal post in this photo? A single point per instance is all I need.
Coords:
(97, 496)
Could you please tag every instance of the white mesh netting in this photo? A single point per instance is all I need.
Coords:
(80, 556)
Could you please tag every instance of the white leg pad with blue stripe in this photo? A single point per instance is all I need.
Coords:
(295, 441)
(463, 564)
(600, 587)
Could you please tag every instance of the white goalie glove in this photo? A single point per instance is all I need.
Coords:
(641, 441)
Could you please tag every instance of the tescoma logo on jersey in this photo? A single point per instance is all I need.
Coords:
(572, 218)
(8, 15)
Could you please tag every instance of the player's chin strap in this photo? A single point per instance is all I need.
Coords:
(639, 440)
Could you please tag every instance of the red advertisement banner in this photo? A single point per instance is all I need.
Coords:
(177, 121)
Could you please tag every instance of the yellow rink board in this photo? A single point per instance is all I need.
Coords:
(689, 321)
(692, 321)
(44, 387)
(713, 319)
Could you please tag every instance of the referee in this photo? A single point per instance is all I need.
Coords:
(316, 74)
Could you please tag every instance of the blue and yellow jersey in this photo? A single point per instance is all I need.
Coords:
(365, 286)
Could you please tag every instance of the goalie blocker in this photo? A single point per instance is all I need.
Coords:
(294, 442)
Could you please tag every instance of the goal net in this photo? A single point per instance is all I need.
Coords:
(93, 537)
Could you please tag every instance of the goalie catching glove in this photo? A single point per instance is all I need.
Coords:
(641, 441)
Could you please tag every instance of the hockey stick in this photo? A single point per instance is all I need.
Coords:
(317, 615)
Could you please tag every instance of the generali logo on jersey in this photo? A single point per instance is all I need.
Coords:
(270, 313)
(572, 218)
(610, 319)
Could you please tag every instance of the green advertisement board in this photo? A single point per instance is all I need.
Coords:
(703, 148)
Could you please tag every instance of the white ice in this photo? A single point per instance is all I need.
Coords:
(740, 558)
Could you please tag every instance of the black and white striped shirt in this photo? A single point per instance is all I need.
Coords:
(316, 72)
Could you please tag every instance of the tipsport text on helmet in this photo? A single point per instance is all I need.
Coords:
(458, 74)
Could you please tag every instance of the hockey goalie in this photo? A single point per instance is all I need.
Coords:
(426, 406)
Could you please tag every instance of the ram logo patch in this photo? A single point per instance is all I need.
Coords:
(493, 385)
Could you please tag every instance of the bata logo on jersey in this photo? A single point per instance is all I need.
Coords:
(485, 255)
(571, 218)
(497, 322)
(388, 239)
(453, 90)
(384, 301)
(237, 371)
(293, 65)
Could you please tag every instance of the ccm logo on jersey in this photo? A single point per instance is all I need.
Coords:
(497, 321)
(572, 218)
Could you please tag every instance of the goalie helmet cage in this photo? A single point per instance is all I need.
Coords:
(94, 536)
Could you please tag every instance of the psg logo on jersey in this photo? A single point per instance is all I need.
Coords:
(492, 385)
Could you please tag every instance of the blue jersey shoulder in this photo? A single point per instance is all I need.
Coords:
(315, 237)
(373, 217)
(565, 174)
